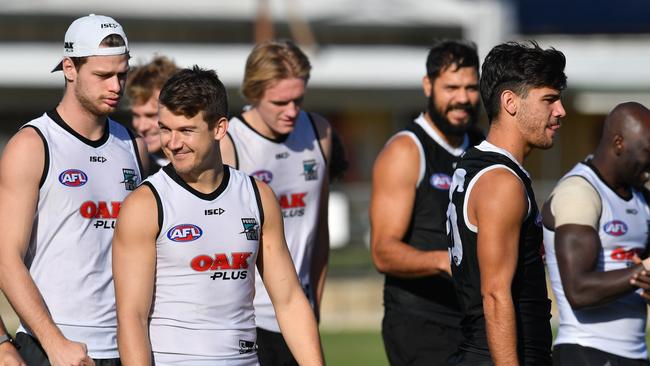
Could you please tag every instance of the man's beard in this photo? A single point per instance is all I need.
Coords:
(442, 123)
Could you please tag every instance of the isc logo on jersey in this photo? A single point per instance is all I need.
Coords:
(293, 204)
(233, 266)
(440, 181)
(615, 228)
(263, 175)
(184, 233)
(73, 178)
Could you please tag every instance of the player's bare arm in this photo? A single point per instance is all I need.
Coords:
(294, 314)
(134, 260)
(393, 193)
(498, 191)
(577, 249)
(21, 169)
(320, 257)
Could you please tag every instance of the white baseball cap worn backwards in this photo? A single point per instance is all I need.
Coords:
(84, 36)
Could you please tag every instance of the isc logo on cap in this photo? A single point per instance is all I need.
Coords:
(73, 178)
(184, 233)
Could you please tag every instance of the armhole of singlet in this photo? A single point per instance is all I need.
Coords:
(46, 162)
(471, 184)
(423, 160)
(258, 198)
(313, 125)
(234, 149)
(136, 150)
(158, 205)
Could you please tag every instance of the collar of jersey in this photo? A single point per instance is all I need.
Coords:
(169, 170)
(56, 117)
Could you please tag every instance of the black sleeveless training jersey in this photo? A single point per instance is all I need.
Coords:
(531, 303)
(432, 297)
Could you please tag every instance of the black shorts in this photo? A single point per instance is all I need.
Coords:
(462, 358)
(577, 355)
(272, 350)
(413, 340)
(34, 355)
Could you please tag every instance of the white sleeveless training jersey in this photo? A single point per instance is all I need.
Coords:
(619, 326)
(202, 310)
(69, 254)
(295, 168)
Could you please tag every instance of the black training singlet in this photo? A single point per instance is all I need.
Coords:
(530, 298)
(431, 297)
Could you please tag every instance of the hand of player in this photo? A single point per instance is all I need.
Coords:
(9, 355)
(69, 353)
(641, 280)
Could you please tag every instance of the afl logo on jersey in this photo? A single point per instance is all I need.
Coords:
(263, 175)
(440, 181)
(184, 233)
(615, 228)
(73, 178)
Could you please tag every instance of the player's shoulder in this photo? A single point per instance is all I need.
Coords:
(321, 124)
(143, 196)
(28, 141)
(403, 144)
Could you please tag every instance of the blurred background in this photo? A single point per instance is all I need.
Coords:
(368, 60)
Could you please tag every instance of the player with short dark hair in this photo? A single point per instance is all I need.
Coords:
(494, 223)
(188, 241)
(407, 211)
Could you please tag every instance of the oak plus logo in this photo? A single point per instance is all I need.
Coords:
(103, 213)
(73, 178)
(615, 228)
(622, 254)
(184, 233)
(293, 204)
(226, 266)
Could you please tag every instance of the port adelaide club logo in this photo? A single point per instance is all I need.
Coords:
(250, 228)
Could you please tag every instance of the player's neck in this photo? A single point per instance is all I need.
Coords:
(207, 175)
(508, 138)
(254, 119)
(451, 140)
(606, 170)
(85, 123)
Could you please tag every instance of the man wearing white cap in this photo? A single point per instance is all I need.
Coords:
(63, 177)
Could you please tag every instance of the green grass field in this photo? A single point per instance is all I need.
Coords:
(354, 348)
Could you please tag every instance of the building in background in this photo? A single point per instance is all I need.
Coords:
(367, 61)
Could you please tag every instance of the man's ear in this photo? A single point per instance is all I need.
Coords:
(427, 86)
(220, 128)
(510, 102)
(618, 143)
(69, 70)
